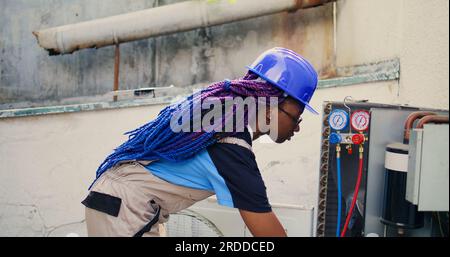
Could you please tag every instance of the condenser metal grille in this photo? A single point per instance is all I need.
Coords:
(188, 223)
(323, 179)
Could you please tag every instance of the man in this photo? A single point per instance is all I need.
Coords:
(166, 166)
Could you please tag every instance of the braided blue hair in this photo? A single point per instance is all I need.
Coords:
(156, 140)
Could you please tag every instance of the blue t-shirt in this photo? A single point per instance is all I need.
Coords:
(228, 170)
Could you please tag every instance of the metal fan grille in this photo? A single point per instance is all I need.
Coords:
(188, 223)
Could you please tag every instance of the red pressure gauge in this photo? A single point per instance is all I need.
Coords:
(360, 120)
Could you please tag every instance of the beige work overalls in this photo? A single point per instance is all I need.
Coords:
(131, 201)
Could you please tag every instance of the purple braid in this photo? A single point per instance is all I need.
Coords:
(156, 140)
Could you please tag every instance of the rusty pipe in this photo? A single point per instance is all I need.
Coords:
(410, 122)
(439, 119)
(303, 4)
(163, 20)
(116, 71)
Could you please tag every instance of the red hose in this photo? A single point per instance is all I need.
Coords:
(355, 196)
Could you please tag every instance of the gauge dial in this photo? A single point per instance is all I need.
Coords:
(338, 119)
(360, 120)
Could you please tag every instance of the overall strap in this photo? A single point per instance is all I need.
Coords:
(236, 141)
(152, 222)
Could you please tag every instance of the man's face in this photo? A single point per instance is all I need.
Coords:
(289, 117)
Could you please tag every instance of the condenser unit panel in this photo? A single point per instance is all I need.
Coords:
(428, 180)
(386, 127)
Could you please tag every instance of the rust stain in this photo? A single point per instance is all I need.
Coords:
(329, 69)
(298, 31)
(288, 31)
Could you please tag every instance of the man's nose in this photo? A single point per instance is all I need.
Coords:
(297, 128)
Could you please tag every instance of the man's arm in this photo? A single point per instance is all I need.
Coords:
(263, 224)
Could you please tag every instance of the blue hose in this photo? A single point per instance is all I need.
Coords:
(338, 226)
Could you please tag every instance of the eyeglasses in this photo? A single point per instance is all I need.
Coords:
(294, 120)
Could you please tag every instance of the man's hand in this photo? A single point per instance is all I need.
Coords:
(263, 224)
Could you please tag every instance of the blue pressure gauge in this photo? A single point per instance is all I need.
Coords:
(338, 119)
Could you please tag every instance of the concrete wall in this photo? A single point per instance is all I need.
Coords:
(414, 31)
(47, 162)
(30, 77)
(199, 56)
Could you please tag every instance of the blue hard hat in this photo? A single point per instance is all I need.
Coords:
(288, 71)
